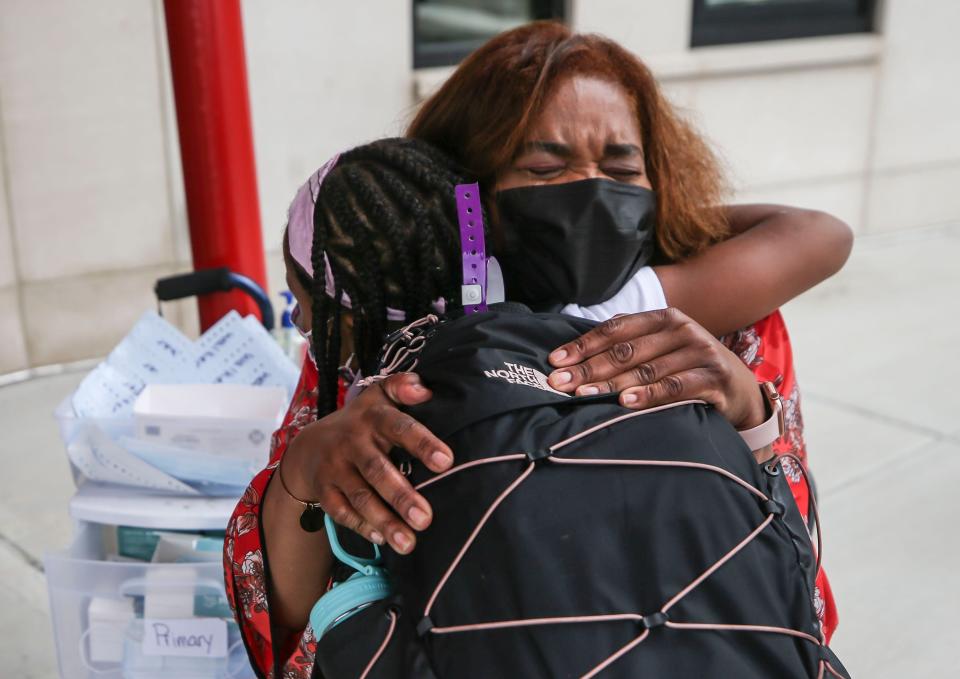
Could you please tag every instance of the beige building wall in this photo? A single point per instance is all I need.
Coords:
(865, 127)
(91, 198)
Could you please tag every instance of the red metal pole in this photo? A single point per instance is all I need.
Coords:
(205, 39)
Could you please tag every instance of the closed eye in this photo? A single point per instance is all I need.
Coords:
(544, 170)
(627, 172)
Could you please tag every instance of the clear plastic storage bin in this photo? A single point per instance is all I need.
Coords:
(99, 611)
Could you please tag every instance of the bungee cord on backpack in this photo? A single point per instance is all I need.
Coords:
(648, 621)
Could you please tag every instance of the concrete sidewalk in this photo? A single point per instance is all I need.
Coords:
(876, 351)
(875, 358)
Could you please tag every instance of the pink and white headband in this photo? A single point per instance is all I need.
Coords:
(300, 237)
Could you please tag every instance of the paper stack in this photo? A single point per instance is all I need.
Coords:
(167, 413)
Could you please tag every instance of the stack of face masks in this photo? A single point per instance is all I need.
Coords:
(97, 422)
(175, 621)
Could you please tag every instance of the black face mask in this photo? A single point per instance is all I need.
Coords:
(574, 243)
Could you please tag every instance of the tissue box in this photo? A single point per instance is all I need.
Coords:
(222, 419)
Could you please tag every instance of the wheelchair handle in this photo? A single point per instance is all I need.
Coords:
(207, 281)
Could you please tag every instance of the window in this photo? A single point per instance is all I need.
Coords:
(721, 22)
(445, 31)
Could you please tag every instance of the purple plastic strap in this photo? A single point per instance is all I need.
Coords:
(470, 215)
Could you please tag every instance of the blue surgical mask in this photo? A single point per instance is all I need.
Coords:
(212, 475)
(346, 371)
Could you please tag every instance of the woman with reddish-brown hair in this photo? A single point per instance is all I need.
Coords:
(492, 106)
(566, 133)
(542, 105)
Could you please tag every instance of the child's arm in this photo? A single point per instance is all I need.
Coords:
(776, 253)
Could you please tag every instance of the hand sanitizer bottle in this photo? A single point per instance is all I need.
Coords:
(288, 337)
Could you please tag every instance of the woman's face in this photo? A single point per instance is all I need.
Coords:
(305, 319)
(301, 295)
(587, 129)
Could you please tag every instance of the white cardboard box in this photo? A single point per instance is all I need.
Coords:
(221, 419)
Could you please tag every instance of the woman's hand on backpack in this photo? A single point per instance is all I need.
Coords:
(342, 462)
(655, 358)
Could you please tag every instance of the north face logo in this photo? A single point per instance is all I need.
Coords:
(515, 373)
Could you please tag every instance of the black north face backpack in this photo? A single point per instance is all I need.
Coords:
(577, 538)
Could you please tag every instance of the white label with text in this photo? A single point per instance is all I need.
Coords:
(187, 637)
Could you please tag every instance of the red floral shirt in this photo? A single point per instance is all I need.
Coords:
(764, 347)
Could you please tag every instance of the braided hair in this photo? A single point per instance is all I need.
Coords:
(386, 218)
